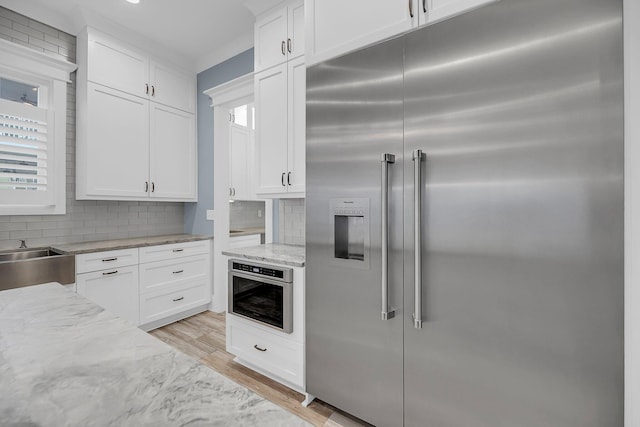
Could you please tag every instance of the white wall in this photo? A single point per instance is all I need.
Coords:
(632, 211)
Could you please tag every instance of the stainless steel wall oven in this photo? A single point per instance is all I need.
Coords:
(261, 293)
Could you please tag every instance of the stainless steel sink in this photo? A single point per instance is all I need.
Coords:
(27, 267)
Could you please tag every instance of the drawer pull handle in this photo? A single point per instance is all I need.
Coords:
(178, 299)
(178, 272)
(178, 250)
(109, 259)
(258, 348)
(110, 273)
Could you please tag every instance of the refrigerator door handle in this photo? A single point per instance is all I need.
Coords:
(417, 217)
(385, 160)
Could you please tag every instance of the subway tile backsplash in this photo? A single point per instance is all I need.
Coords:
(291, 221)
(85, 220)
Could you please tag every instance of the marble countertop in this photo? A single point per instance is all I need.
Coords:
(292, 255)
(64, 361)
(135, 242)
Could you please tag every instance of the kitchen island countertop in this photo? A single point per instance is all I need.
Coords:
(292, 255)
(66, 361)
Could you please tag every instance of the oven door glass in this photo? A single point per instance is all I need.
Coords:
(263, 302)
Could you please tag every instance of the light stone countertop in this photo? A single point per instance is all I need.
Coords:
(246, 231)
(64, 361)
(277, 253)
(134, 242)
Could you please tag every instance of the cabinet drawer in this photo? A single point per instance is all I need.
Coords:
(276, 355)
(114, 289)
(105, 260)
(174, 251)
(161, 274)
(161, 304)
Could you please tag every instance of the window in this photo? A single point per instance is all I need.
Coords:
(33, 97)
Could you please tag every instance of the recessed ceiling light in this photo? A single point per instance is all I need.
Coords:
(134, 1)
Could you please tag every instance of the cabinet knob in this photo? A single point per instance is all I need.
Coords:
(153, 91)
(282, 179)
(289, 178)
(258, 348)
(282, 48)
(146, 88)
(146, 186)
(411, 8)
(424, 6)
(153, 187)
(289, 45)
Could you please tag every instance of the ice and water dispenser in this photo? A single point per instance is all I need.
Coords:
(350, 221)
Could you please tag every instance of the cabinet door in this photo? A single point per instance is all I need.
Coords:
(334, 27)
(115, 66)
(270, 39)
(271, 129)
(172, 87)
(239, 142)
(295, 21)
(172, 165)
(117, 150)
(296, 125)
(115, 290)
(438, 10)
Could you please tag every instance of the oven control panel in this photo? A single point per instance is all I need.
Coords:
(284, 274)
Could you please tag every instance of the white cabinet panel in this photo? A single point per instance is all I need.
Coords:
(271, 129)
(268, 352)
(116, 66)
(334, 27)
(244, 241)
(295, 21)
(172, 162)
(172, 87)
(270, 39)
(296, 162)
(174, 251)
(239, 143)
(157, 305)
(115, 290)
(115, 157)
(163, 274)
(106, 260)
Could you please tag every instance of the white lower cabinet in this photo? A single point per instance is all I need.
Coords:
(149, 286)
(115, 289)
(267, 352)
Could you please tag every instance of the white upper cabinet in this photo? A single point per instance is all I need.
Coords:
(135, 124)
(110, 166)
(296, 121)
(279, 36)
(336, 27)
(172, 154)
(271, 130)
(172, 87)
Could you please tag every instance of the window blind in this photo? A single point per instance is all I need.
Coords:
(25, 152)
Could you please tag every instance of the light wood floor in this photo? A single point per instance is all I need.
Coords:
(203, 337)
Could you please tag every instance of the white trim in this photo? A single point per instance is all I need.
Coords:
(232, 90)
(25, 60)
(632, 211)
(54, 73)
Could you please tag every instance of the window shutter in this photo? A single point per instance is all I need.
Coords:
(26, 154)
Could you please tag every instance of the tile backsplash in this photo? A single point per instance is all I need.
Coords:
(291, 221)
(246, 214)
(84, 220)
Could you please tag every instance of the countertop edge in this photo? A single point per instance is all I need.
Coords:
(109, 245)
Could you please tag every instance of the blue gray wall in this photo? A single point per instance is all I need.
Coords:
(195, 213)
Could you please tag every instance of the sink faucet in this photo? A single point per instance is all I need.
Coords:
(23, 244)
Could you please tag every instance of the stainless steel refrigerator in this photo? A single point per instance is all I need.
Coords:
(464, 221)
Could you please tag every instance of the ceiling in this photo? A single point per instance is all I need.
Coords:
(200, 32)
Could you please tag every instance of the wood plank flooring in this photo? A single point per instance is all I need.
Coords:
(203, 337)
